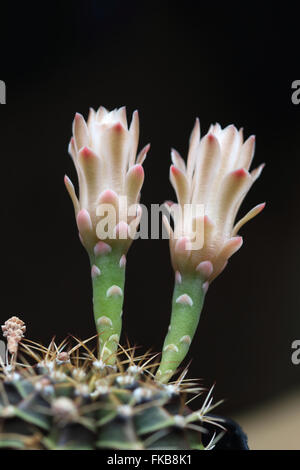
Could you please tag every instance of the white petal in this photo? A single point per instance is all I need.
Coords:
(231, 194)
(122, 116)
(207, 167)
(143, 154)
(252, 213)
(114, 151)
(194, 142)
(80, 132)
(90, 165)
(247, 153)
(134, 132)
(180, 184)
(133, 183)
(178, 160)
(70, 188)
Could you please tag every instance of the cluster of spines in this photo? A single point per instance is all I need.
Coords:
(74, 399)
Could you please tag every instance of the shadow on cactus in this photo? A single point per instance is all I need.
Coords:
(96, 393)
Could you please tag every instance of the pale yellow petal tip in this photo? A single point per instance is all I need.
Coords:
(195, 134)
(143, 154)
(250, 215)
(255, 174)
(71, 190)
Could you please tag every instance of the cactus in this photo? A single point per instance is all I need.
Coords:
(68, 397)
(65, 397)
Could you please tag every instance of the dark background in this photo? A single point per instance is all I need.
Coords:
(227, 62)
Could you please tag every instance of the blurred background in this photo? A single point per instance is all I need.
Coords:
(227, 63)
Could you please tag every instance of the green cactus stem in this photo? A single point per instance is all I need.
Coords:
(188, 297)
(108, 278)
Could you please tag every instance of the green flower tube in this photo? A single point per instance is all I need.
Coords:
(108, 278)
(188, 298)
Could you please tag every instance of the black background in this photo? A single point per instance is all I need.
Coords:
(227, 62)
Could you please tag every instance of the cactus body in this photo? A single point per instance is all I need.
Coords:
(74, 400)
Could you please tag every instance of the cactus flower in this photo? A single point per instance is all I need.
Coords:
(217, 178)
(110, 176)
(104, 152)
